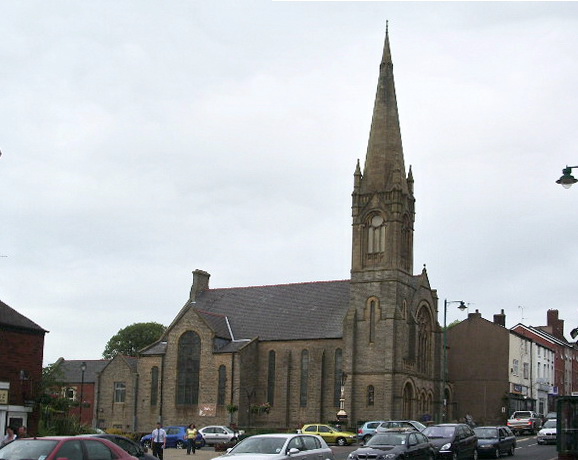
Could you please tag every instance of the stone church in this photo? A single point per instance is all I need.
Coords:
(280, 356)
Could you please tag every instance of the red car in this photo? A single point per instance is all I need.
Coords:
(69, 447)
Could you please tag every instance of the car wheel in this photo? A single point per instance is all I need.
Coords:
(366, 438)
(511, 451)
(147, 444)
(180, 445)
(497, 453)
(341, 442)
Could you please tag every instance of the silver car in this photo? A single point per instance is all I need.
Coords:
(217, 434)
(280, 446)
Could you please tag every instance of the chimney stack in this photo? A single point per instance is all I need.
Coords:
(200, 283)
(555, 325)
(500, 319)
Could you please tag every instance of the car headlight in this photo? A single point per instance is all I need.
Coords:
(388, 456)
(540, 433)
(446, 446)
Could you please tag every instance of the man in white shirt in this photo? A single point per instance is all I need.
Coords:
(159, 440)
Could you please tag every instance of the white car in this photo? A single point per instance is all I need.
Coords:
(547, 433)
(281, 446)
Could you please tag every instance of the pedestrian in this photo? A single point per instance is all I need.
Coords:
(22, 432)
(159, 439)
(10, 436)
(191, 438)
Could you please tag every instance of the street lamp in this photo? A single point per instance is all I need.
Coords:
(82, 370)
(462, 306)
(341, 414)
(567, 179)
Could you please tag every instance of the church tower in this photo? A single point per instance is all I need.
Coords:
(390, 332)
(383, 202)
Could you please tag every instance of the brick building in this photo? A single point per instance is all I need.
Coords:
(21, 356)
(79, 380)
(285, 355)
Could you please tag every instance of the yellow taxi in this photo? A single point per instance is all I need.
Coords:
(330, 434)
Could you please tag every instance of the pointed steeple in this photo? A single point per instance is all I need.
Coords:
(384, 164)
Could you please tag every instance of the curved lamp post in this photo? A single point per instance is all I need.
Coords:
(462, 306)
(567, 179)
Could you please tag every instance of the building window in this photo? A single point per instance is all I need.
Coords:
(376, 235)
(188, 367)
(338, 369)
(526, 371)
(119, 392)
(271, 378)
(372, 321)
(370, 395)
(154, 385)
(304, 378)
(70, 393)
(222, 385)
(424, 340)
(515, 367)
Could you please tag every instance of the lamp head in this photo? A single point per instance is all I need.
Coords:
(83, 366)
(567, 179)
(574, 333)
(462, 306)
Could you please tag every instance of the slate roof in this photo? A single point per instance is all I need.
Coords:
(70, 372)
(11, 318)
(279, 312)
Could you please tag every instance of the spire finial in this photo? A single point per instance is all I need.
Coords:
(386, 27)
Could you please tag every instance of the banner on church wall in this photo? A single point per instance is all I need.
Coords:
(207, 410)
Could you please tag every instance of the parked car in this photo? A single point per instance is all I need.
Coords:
(217, 434)
(60, 447)
(547, 433)
(280, 446)
(176, 437)
(388, 425)
(495, 440)
(330, 434)
(367, 430)
(396, 444)
(128, 445)
(453, 440)
(525, 421)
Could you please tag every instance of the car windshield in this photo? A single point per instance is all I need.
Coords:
(486, 433)
(257, 445)
(27, 449)
(433, 432)
(387, 439)
(522, 414)
(549, 424)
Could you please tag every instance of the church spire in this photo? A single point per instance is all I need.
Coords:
(384, 163)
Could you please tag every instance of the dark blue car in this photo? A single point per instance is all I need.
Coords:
(176, 437)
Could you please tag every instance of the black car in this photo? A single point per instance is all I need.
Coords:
(453, 440)
(495, 440)
(133, 448)
(396, 444)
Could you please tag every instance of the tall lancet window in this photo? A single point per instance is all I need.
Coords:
(424, 340)
(376, 235)
(188, 368)
(406, 241)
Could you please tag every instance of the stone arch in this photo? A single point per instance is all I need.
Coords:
(408, 400)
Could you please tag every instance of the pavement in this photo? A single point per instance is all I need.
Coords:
(206, 453)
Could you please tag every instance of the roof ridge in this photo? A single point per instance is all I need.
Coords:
(278, 285)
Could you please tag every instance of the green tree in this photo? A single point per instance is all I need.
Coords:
(131, 339)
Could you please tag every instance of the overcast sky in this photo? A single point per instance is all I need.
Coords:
(144, 139)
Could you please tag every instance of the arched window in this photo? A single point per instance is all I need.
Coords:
(424, 340)
(188, 367)
(304, 378)
(271, 378)
(408, 396)
(406, 242)
(337, 377)
(370, 395)
(222, 385)
(154, 385)
(372, 310)
(376, 234)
